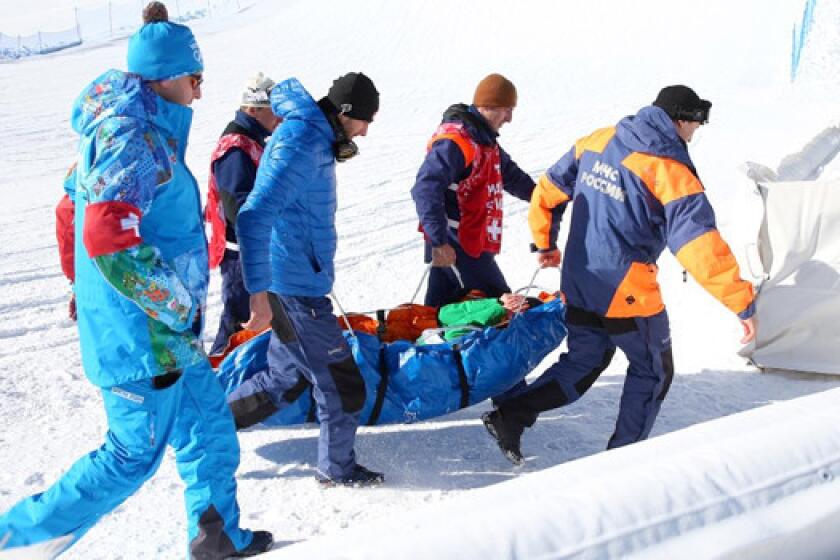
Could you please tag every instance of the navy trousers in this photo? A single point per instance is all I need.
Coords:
(592, 341)
(236, 304)
(477, 273)
(307, 347)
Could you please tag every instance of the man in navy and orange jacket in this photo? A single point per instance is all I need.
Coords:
(635, 191)
(458, 194)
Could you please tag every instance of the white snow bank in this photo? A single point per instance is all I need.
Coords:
(759, 484)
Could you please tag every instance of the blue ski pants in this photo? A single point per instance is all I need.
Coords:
(190, 415)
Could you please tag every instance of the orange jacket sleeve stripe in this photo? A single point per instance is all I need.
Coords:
(711, 262)
(546, 196)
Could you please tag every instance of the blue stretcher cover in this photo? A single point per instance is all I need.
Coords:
(406, 382)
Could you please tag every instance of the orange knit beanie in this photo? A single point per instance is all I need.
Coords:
(495, 91)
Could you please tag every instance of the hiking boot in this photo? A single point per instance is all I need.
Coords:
(358, 477)
(506, 434)
(261, 542)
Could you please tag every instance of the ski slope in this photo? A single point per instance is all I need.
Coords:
(577, 66)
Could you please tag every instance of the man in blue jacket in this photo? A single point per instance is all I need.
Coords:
(458, 195)
(141, 280)
(233, 169)
(287, 239)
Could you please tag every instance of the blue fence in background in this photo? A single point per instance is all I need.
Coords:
(800, 36)
(111, 18)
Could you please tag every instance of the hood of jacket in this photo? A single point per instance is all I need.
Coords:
(291, 101)
(243, 123)
(477, 126)
(121, 94)
(651, 131)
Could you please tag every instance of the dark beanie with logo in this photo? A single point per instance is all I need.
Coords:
(355, 95)
(682, 103)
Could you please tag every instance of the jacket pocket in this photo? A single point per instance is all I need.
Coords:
(638, 293)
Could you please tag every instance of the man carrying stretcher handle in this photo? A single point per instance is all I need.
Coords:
(287, 241)
(635, 191)
(458, 194)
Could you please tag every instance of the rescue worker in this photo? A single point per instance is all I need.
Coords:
(458, 195)
(233, 169)
(635, 191)
(287, 239)
(141, 280)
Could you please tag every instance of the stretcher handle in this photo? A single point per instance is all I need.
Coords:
(531, 285)
(454, 270)
(343, 314)
(422, 279)
(457, 274)
(527, 290)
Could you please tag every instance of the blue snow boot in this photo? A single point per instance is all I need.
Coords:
(358, 477)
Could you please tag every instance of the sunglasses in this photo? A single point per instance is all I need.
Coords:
(196, 80)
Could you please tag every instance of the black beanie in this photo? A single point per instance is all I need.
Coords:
(355, 95)
(681, 103)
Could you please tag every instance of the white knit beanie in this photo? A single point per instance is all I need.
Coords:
(256, 91)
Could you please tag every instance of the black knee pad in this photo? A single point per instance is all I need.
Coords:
(166, 380)
(584, 384)
(350, 384)
(280, 322)
(668, 367)
(251, 410)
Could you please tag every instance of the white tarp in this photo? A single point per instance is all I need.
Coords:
(798, 305)
(760, 484)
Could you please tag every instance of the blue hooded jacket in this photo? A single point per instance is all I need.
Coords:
(140, 253)
(293, 202)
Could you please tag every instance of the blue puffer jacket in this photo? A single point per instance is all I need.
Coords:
(140, 253)
(293, 202)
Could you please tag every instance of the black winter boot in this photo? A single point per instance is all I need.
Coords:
(261, 542)
(507, 433)
(358, 477)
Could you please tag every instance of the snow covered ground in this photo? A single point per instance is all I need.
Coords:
(577, 65)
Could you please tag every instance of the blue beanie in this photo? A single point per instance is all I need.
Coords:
(164, 50)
